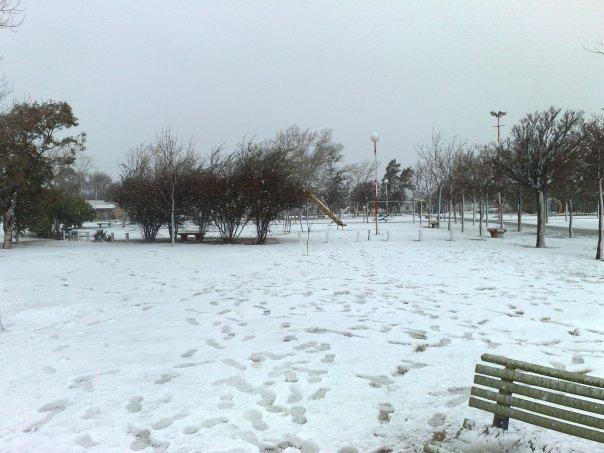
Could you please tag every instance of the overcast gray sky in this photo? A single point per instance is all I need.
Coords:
(219, 70)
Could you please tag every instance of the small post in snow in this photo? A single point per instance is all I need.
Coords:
(368, 235)
(326, 237)
(387, 235)
(112, 237)
(420, 235)
(127, 237)
(358, 235)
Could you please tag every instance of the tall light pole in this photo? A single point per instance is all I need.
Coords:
(375, 138)
(386, 187)
(499, 114)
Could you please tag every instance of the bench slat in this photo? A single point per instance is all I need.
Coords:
(554, 398)
(543, 422)
(544, 409)
(545, 370)
(553, 384)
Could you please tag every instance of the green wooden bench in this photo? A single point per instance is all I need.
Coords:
(554, 399)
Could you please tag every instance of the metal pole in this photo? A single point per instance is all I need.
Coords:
(386, 198)
(375, 200)
(499, 192)
(498, 115)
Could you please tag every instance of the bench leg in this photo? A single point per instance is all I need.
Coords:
(501, 422)
(498, 420)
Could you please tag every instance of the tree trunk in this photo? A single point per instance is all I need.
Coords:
(439, 207)
(8, 221)
(519, 210)
(566, 211)
(473, 212)
(569, 208)
(172, 220)
(541, 215)
(599, 251)
(486, 208)
(500, 203)
(450, 207)
(480, 207)
(414, 205)
(546, 208)
(462, 212)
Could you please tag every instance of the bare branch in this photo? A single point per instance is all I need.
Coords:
(9, 14)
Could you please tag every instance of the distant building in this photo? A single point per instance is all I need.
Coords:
(105, 210)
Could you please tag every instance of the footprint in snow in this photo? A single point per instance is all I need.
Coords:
(234, 364)
(255, 418)
(91, 412)
(167, 421)
(298, 415)
(210, 423)
(226, 401)
(295, 395)
(376, 381)
(437, 420)
(214, 344)
(85, 441)
(319, 394)
(329, 358)
(135, 404)
(51, 409)
(189, 353)
(385, 411)
(165, 378)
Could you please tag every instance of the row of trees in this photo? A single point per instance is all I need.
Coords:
(166, 183)
(553, 153)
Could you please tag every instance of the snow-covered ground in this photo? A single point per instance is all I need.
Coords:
(579, 221)
(354, 347)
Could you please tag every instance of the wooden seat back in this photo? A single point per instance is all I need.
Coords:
(563, 401)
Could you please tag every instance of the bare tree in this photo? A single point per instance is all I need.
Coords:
(9, 14)
(425, 186)
(437, 158)
(570, 183)
(462, 175)
(175, 161)
(538, 147)
(595, 49)
(96, 185)
(360, 172)
(594, 159)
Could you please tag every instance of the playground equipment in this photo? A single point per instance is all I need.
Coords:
(328, 212)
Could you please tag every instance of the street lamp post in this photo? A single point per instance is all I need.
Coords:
(499, 114)
(386, 187)
(375, 138)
